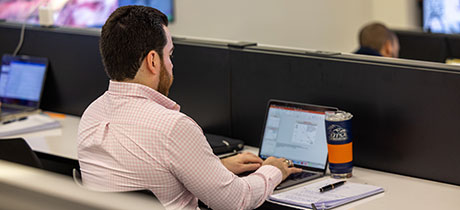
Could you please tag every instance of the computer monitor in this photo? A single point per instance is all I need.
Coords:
(165, 6)
(441, 16)
(75, 13)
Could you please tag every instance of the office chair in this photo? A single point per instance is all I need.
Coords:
(18, 151)
(77, 177)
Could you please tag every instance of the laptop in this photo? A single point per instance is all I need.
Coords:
(297, 132)
(21, 85)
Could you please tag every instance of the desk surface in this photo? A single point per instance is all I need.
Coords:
(401, 192)
(61, 142)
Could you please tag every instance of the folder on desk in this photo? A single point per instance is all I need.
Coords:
(307, 195)
(32, 123)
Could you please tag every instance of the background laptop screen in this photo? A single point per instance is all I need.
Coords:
(295, 134)
(21, 79)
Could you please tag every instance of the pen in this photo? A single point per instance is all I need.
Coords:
(22, 118)
(331, 186)
(14, 120)
(313, 206)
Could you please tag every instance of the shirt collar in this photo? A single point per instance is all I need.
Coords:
(367, 51)
(139, 90)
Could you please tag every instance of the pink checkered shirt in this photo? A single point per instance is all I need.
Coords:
(133, 138)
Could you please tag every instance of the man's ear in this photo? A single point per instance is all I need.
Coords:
(153, 62)
(387, 49)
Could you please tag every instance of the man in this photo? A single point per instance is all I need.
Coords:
(376, 39)
(133, 137)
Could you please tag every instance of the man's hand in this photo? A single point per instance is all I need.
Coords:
(242, 162)
(283, 165)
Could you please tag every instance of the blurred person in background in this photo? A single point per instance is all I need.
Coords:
(377, 40)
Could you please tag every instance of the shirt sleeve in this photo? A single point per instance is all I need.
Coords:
(202, 173)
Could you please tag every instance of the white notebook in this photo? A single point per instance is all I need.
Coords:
(306, 195)
(35, 122)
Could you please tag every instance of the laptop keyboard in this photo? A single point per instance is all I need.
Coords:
(14, 109)
(292, 179)
(11, 110)
(300, 175)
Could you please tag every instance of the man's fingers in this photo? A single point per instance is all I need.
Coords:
(250, 166)
(293, 170)
(251, 158)
(249, 154)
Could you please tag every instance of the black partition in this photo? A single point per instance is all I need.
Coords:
(418, 45)
(453, 42)
(404, 115)
(405, 112)
(202, 85)
(75, 75)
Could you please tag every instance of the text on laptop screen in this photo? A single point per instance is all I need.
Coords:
(21, 80)
(295, 134)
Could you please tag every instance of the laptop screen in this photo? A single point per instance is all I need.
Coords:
(296, 132)
(21, 80)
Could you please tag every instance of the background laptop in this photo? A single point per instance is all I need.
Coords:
(21, 84)
(296, 132)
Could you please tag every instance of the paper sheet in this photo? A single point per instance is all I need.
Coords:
(306, 195)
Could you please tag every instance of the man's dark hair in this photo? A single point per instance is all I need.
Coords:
(375, 35)
(127, 36)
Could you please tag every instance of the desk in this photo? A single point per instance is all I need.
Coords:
(56, 148)
(60, 142)
(401, 192)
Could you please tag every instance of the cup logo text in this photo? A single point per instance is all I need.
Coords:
(337, 133)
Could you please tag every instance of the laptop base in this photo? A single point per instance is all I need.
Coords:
(294, 179)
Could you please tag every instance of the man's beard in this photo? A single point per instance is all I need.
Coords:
(165, 81)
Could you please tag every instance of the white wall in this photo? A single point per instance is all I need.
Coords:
(400, 14)
(312, 24)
